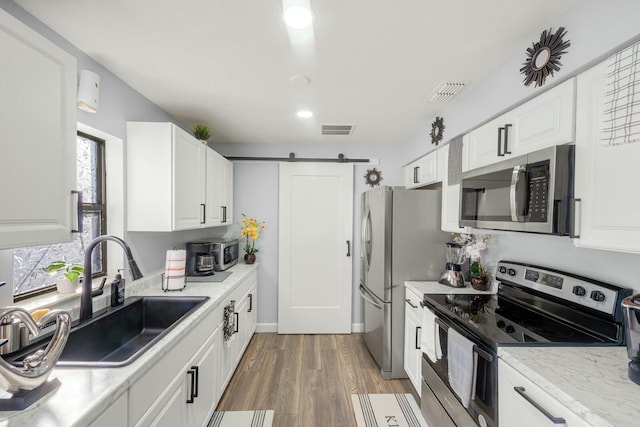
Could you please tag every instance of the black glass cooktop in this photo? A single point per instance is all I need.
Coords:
(498, 320)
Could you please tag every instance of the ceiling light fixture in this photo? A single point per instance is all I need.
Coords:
(298, 17)
(304, 114)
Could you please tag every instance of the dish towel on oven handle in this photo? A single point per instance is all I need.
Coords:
(430, 335)
(462, 365)
(622, 97)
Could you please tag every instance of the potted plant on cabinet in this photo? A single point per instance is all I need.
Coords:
(202, 132)
(69, 281)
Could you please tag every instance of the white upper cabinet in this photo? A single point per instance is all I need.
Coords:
(174, 182)
(423, 171)
(226, 200)
(450, 196)
(37, 136)
(546, 120)
(606, 176)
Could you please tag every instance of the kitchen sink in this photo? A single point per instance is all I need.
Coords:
(122, 334)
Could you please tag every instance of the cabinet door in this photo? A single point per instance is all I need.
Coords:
(252, 311)
(489, 143)
(429, 168)
(412, 175)
(606, 176)
(206, 392)
(242, 327)
(188, 181)
(37, 137)
(214, 188)
(522, 403)
(412, 330)
(450, 197)
(226, 203)
(546, 120)
(173, 412)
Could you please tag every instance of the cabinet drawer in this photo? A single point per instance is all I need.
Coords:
(412, 302)
(523, 403)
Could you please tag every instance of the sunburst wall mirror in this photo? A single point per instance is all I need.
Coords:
(373, 177)
(437, 130)
(543, 58)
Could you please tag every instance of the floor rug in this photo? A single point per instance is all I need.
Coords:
(379, 410)
(241, 419)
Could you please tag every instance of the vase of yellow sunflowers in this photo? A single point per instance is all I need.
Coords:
(250, 230)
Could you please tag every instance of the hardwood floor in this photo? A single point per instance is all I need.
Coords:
(307, 380)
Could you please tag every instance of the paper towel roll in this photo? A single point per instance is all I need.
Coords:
(174, 269)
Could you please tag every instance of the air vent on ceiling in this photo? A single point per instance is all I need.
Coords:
(446, 91)
(334, 129)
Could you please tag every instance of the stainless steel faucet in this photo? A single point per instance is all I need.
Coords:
(86, 304)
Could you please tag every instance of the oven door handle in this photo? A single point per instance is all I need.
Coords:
(556, 420)
(485, 355)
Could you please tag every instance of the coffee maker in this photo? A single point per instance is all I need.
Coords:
(452, 275)
(631, 310)
(200, 259)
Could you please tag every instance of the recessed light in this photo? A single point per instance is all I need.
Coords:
(304, 114)
(298, 17)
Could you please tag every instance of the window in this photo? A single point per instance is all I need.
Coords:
(28, 276)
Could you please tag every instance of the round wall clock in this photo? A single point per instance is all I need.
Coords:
(543, 58)
(437, 129)
(373, 177)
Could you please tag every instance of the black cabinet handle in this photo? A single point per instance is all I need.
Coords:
(203, 213)
(500, 130)
(348, 247)
(237, 322)
(410, 303)
(77, 195)
(418, 337)
(506, 139)
(224, 213)
(192, 374)
(556, 420)
(250, 303)
(415, 174)
(197, 376)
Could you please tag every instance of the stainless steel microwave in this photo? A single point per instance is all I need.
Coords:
(530, 193)
(225, 253)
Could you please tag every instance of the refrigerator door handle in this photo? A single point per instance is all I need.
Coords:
(365, 247)
(365, 295)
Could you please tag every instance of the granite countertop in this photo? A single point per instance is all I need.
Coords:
(85, 393)
(590, 381)
(433, 287)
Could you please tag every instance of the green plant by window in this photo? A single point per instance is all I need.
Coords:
(72, 271)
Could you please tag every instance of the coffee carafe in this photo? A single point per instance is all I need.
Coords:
(452, 275)
(631, 310)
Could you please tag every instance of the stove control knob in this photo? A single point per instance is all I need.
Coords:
(579, 290)
(510, 329)
(597, 296)
(500, 324)
(511, 272)
(502, 269)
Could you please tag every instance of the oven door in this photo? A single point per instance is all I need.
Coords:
(439, 402)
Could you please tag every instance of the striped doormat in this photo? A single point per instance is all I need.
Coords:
(378, 410)
(241, 419)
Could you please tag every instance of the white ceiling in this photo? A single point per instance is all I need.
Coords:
(227, 63)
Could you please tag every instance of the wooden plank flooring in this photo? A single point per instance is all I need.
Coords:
(307, 380)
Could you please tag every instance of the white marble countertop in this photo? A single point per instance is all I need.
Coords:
(590, 381)
(85, 393)
(433, 287)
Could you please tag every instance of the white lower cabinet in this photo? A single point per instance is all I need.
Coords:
(412, 330)
(114, 415)
(522, 403)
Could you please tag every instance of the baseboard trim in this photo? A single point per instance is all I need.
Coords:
(356, 328)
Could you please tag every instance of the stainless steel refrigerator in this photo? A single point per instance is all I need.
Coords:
(401, 240)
